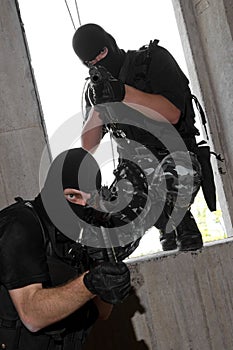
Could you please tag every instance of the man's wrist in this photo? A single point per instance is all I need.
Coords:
(91, 293)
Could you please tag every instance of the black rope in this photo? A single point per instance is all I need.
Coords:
(84, 116)
(68, 9)
(71, 17)
(79, 19)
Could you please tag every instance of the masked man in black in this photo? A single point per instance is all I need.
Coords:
(53, 288)
(155, 93)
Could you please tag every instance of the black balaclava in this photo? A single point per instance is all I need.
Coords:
(85, 177)
(90, 39)
(75, 168)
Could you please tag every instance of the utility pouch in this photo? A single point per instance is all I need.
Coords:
(9, 334)
(207, 183)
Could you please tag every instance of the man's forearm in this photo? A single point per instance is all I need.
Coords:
(39, 307)
(92, 132)
(154, 106)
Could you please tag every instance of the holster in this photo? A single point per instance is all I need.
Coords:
(207, 183)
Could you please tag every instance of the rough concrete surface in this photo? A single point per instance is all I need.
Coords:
(182, 301)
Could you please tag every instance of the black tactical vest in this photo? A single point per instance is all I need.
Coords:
(135, 72)
(67, 334)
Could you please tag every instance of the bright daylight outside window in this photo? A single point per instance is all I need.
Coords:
(60, 76)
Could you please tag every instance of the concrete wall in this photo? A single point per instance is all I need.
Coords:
(206, 31)
(229, 13)
(22, 131)
(182, 301)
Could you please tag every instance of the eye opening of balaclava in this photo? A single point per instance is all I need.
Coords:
(90, 39)
(75, 168)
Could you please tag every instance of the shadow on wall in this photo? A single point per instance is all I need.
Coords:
(117, 333)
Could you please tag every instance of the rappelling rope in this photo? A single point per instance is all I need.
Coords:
(70, 14)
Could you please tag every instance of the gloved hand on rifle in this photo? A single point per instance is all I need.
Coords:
(110, 281)
(104, 87)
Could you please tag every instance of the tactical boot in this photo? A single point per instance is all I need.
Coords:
(168, 240)
(188, 234)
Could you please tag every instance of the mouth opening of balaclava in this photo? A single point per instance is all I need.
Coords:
(90, 39)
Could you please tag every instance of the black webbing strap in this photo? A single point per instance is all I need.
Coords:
(202, 114)
(58, 337)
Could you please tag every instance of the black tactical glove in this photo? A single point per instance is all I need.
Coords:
(110, 281)
(104, 87)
